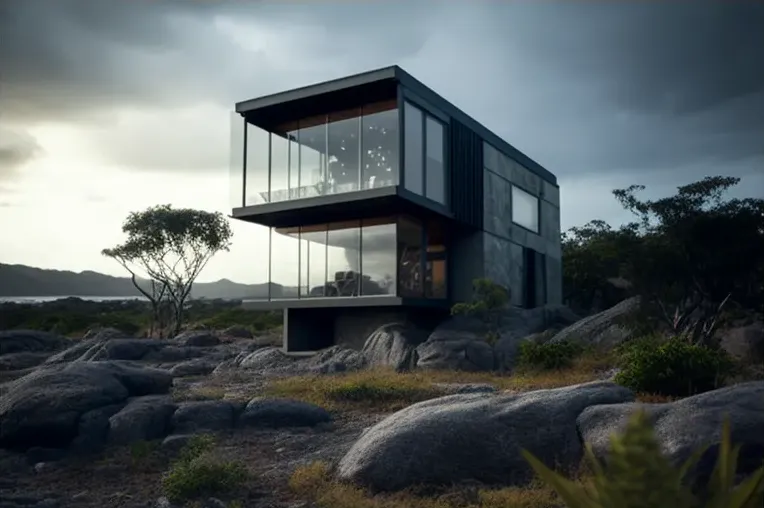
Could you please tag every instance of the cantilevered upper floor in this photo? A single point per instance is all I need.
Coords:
(376, 143)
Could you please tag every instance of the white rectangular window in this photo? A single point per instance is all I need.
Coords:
(525, 209)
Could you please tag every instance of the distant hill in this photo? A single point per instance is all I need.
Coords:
(21, 280)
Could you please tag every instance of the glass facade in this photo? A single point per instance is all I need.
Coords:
(386, 256)
(341, 152)
(424, 154)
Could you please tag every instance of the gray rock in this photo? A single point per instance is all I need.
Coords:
(474, 437)
(193, 368)
(277, 413)
(203, 415)
(21, 361)
(73, 353)
(393, 345)
(337, 359)
(176, 442)
(198, 339)
(142, 419)
(600, 329)
(461, 354)
(746, 343)
(27, 341)
(122, 349)
(44, 407)
(459, 328)
(93, 429)
(684, 426)
(268, 358)
(174, 354)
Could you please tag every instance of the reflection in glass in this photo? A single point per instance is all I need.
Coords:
(256, 271)
(312, 156)
(313, 261)
(285, 260)
(344, 151)
(410, 259)
(378, 257)
(236, 161)
(294, 163)
(344, 259)
(435, 169)
(279, 168)
(525, 209)
(379, 142)
(412, 166)
(257, 166)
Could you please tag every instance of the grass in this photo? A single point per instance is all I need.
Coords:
(314, 483)
(386, 390)
(198, 471)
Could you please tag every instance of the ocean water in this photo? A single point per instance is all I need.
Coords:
(43, 299)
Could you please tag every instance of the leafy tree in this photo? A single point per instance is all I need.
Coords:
(488, 300)
(171, 247)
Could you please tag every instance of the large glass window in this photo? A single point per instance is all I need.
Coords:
(525, 209)
(379, 144)
(279, 167)
(255, 240)
(344, 158)
(258, 147)
(410, 281)
(293, 137)
(413, 153)
(436, 275)
(313, 261)
(343, 259)
(378, 257)
(285, 262)
(435, 165)
(312, 156)
(236, 163)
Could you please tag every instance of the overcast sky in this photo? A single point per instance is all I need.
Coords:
(109, 106)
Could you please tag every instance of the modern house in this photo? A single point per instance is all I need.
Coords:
(382, 202)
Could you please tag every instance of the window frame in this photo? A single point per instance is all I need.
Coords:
(538, 209)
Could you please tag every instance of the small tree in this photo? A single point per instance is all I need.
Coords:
(171, 246)
(488, 299)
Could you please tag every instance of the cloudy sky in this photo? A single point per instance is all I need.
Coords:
(112, 106)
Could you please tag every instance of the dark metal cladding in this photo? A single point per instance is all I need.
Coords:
(466, 175)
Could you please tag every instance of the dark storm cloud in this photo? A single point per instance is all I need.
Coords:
(16, 148)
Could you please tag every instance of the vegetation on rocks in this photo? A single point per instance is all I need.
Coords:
(548, 355)
(638, 475)
(672, 367)
(488, 301)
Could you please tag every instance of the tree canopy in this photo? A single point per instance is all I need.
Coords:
(170, 247)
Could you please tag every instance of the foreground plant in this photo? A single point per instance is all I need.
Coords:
(638, 475)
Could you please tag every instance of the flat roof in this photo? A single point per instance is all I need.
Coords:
(396, 74)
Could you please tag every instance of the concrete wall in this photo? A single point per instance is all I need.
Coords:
(311, 329)
(503, 240)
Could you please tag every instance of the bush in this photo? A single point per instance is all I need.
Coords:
(197, 472)
(672, 367)
(638, 475)
(548, 355)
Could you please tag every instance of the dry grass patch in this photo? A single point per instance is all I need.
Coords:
(387, 390)
(314, 483)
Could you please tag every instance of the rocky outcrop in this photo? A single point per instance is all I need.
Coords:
(278, 413)
(198, 338)
(336, 359)
(44, 408)
(602, 329)
(746, 343)
(393, 345)
(474, 437)
(684, 426)
(468, 355)
(31, 341)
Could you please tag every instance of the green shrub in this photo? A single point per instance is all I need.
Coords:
(198, 472)
(548, 355)
(638, 475)
(672, 367)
